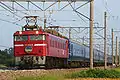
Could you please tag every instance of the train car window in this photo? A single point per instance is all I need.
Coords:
(62, 45)
(56, 44)
(21, 38)
(50, 42)
(53, 43)
(37, 37)
(59, 45)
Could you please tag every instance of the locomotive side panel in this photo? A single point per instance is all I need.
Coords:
(57, 47)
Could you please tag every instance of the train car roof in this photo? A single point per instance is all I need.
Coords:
(57, 37)
(73, 41)
(83, 45)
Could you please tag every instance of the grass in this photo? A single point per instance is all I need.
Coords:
(94, 73)
(2, 66)
(117, 69)
(49, 77)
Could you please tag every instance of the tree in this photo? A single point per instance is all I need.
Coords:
(6, 57)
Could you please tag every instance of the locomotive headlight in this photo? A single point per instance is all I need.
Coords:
(20, 32)
(37, 32)
(28, 49)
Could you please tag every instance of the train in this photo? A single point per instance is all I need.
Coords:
(35, 47)
(38, 48)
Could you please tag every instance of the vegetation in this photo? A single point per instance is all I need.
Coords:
(6, 58)
(43, 77)
(95, 73)
(40, 78)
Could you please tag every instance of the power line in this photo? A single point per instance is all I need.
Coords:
(10, 11)
(106, 7)
(77, 12)
(10, 22)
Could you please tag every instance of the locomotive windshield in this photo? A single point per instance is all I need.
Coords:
(21, 38)
(37, 37)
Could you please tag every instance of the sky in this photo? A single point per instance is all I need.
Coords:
(62, 18)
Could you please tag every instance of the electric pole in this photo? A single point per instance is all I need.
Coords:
(91, 32)
(70, 33)
(119, 52)
(44, 23)
(116, 56)
(112, 47)
(105, 28)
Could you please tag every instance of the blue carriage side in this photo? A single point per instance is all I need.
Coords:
(79, 54)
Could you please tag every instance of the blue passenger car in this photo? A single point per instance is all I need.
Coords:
(78, 52)
(109, 59)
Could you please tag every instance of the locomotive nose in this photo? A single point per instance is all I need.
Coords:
(28, 49)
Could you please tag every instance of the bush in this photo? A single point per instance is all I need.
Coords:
(95, 73)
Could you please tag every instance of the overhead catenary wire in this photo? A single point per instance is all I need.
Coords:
(10, 22)
(3, 5)
(105, 4)
(9, 16)
(21, 5)
(77, 12)
(10, 11)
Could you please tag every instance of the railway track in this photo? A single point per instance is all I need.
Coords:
(15, 69)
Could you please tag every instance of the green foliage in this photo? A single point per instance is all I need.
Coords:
(95, 73)
(117, 69)
(6, 57)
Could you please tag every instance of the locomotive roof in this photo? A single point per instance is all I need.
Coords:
(29, 32)
(33, 32)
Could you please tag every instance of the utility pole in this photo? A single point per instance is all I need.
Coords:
(44, 23)
(69, 33)
(91, 32)
(105, 55)
(119, 52)
(112, 47)
(116, 56)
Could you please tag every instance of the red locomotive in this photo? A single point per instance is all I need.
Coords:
(34, 47)
(37, 47)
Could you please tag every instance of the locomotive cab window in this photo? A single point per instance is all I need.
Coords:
(37, 37)
(21, 38)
